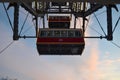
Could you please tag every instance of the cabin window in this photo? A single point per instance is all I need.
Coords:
(77, 34)
(70, 33)
(63, 33)
(50, 33)
(60, 33)
(57, 33)
(43, 33)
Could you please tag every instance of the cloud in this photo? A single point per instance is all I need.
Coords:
(94, 58)
(93, 62)
(109, 62)
(25, 60)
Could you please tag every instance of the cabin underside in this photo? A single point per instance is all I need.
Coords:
(60, 49)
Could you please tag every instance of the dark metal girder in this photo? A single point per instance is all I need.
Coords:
(78, 14)
(109, 23)
(16, 22)
(93, 9)
(28, 6)
(27, 37)
(91, 1)
(100, 37)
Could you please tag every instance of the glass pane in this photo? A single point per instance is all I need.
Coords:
(57, 33)
(43, 34)
(71, 33)
(77, 34)
(50, 33)
(63, 33)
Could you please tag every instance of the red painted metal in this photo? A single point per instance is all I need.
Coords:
(73, 40)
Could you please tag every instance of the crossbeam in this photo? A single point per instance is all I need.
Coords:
(93, 37)
(91, 1)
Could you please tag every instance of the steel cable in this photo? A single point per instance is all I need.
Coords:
(6, 47)
(8, 16)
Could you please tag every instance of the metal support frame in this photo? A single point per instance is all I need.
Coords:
(28, 6)
(16, 22)
(35, 12)
(83, 18)
(91, 1)
(109, 23)
(82, 14)
(92, 37)
(93, 9)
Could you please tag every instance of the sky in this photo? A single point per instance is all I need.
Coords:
(100, 59)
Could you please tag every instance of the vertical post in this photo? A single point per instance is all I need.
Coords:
(83, 24)
(36, 26)
(84, 5)
(75, 23)
(36, 6)
(36, 18)
(16, 18)
(43, 22)
(109, 23)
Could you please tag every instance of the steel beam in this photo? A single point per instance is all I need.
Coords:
(16, 22)
(93, 9)
(109, 23)
(28, 7)
(92, 37)
(91, 1)
(100, 37)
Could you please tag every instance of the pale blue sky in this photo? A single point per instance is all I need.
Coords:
(99, 61)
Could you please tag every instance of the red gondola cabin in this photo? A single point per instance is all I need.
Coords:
(59, 38)
(60, 42)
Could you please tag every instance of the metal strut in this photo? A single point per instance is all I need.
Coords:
(109, 23)
(36, 18)
(84, 18)
(16, 18)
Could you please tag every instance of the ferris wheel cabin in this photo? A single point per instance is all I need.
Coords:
(59, 38)
(59, 22)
